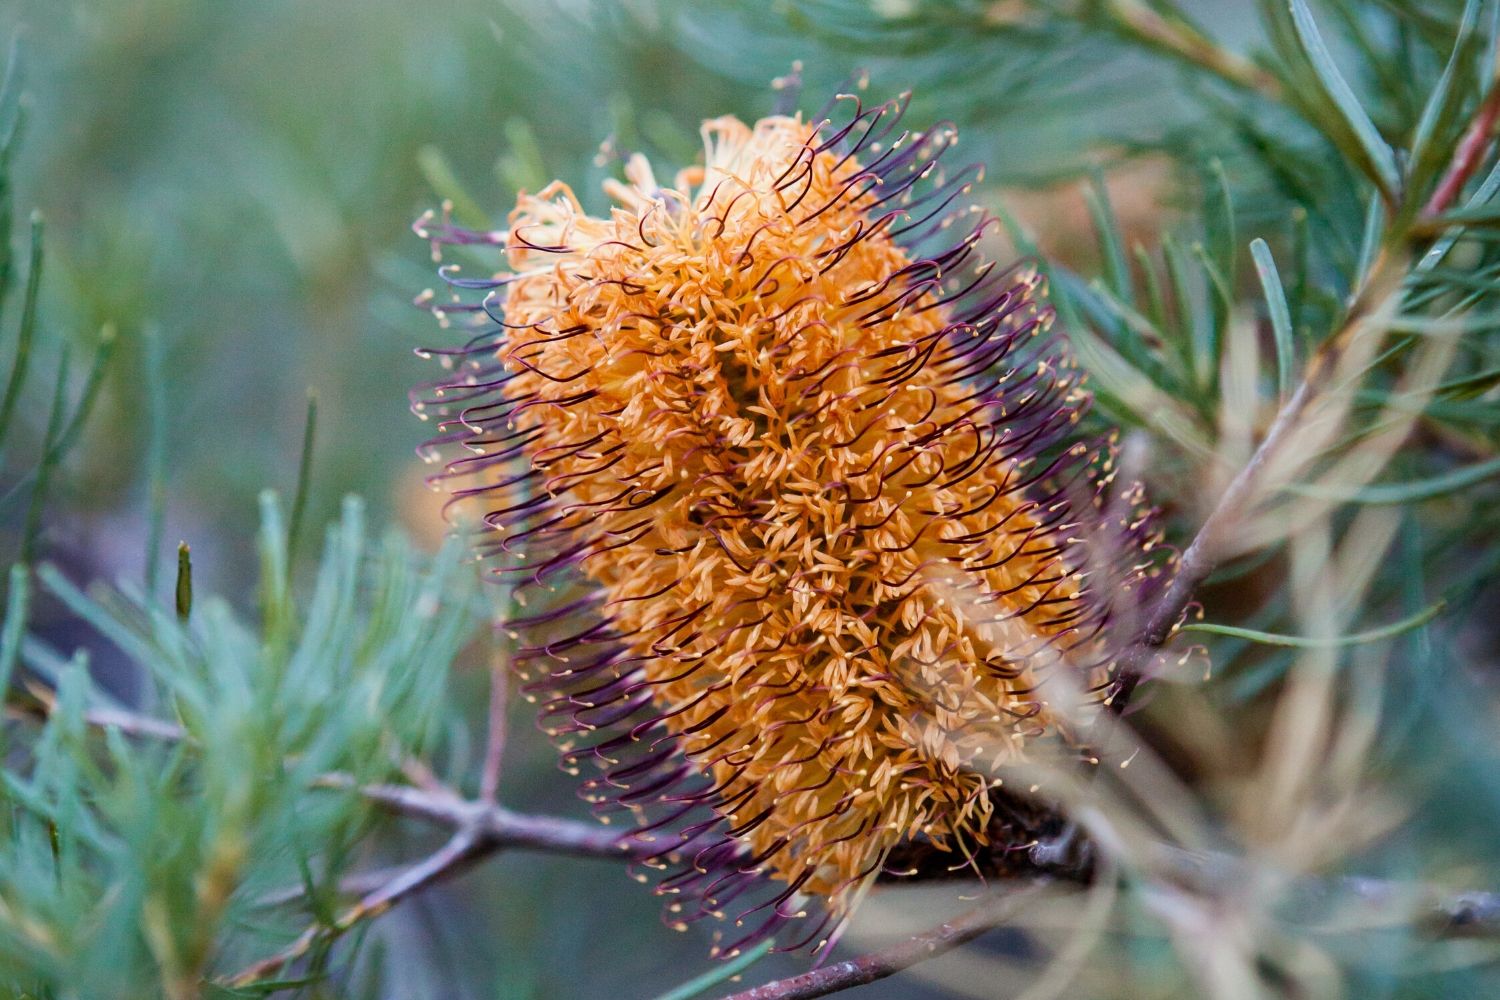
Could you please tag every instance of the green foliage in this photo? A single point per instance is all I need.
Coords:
(133, 855)
(32, 476)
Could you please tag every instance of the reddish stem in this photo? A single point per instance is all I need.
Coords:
(1471, 152)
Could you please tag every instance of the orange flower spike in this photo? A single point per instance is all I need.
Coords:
(795, 462)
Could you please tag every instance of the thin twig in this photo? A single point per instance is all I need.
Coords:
(880, 964)
(134, 724)
(420, 773)
(127, 722)
(461, 850)
(1469, 153)
(497, 826)
(501, 828)
(480, 829)
(494, 744)
(1180, 40)
(1202, 555)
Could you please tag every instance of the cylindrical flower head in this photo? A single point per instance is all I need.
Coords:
(794, 459)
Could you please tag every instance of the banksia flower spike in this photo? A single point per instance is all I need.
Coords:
(778, 465)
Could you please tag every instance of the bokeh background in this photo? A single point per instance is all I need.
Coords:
(238, 180)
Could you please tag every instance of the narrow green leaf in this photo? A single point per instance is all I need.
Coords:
(17, 607)
(1489, 57)
(1369, 244)
(1218, 214)
(100, 618)
(10, 99)
(1382, 160)
(1481, 198)
(1446, 325)
(1129, 333)
(11, 107)
(27, 332)
(1156, 304)
(103, 353)
(50, 457)
(1470, 386)
(1222, 302)
(1190, 343)
(1119, 387)
(1387, 60)
(7, 261)
(1396, 493)
(1111, 243)
(1303, 642)
(275, 599)
(1281, 315)
(1302, 267)
(156, 453)
(1441, 109)
(699, 985)
(1142, 340)
(1024, 240)
(1461, 413)
(521, 167)
(1480, 217)
(304, 478)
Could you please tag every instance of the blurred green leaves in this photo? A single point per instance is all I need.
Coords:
(165, 834)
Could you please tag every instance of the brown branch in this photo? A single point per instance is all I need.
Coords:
(480, 829)
(1201, 556)
(878, 965)
(498, 827)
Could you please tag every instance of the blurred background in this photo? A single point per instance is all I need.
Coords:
(238, 180)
